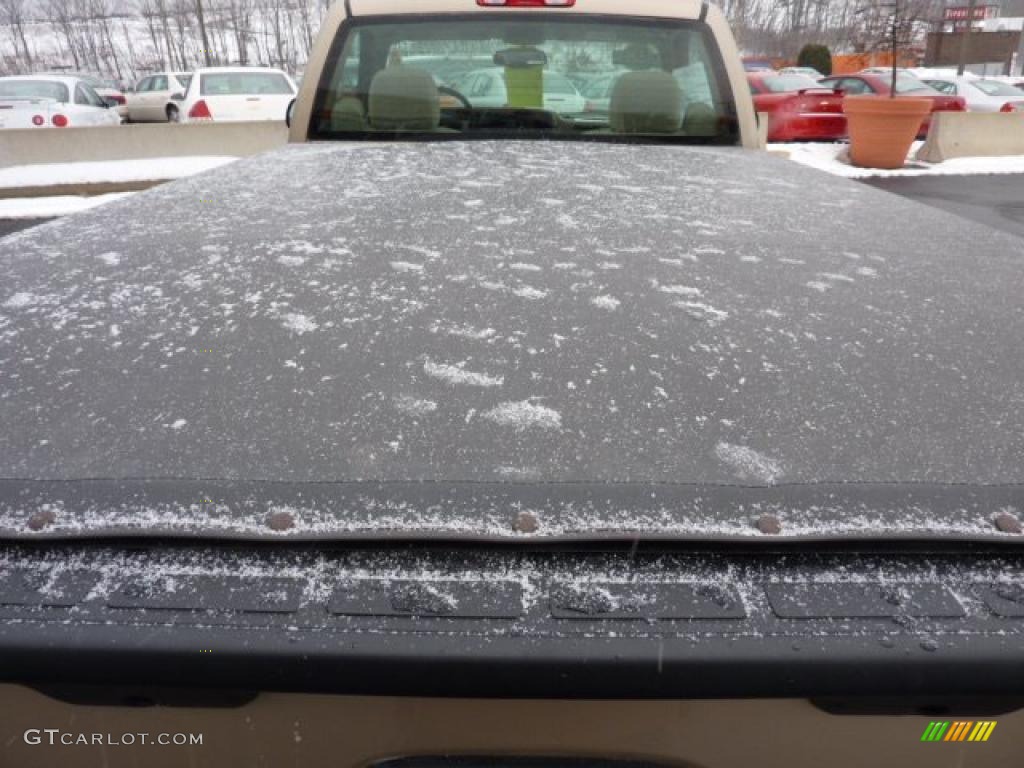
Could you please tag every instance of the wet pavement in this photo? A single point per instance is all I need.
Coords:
(10, 226)
(996, 201)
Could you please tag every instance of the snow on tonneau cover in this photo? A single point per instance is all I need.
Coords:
(437, 339)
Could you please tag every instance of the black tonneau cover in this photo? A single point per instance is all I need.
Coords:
(611, 337)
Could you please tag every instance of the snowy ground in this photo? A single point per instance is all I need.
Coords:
(826, 157)
(48, 207)
(833, 159)
(150, 169)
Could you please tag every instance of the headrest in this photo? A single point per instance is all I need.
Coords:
(404, 99)
(348, 115)
(701, 120)
(646, 102)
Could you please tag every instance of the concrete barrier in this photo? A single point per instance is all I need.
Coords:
(973, 134)
(133, 142)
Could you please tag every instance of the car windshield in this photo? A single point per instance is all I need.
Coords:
(244, 84)
(787, 83)
(467, 77)
(33, 89)
(908, 84)
(995, 88)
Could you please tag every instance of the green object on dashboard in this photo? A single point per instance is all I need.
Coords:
(524, 76)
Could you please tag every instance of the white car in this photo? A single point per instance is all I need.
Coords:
(238, 93)
(52, 101)
(157, 98)
(486, 88)
(887, 71)
(981, 95)
(808, 71)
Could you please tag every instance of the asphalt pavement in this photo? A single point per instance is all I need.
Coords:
(10, 226)
(995, 200)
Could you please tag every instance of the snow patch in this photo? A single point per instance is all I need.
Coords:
(680, 290)
(21, 299)
(747, 463)
(452, 374)
(524, 415)
(606, 302)
(529, 292)
(298, 323)
(414, 406)
(703, 312)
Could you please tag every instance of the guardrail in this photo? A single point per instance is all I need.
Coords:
(973, 134)
(133, 142)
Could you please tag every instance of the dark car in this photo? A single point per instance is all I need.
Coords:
(906, 85)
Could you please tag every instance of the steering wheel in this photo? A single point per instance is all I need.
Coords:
(455, 95)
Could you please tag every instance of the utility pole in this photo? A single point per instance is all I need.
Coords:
(966, 38)
(895, 45)
(202, 32)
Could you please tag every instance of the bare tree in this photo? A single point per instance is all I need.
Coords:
(13, 14)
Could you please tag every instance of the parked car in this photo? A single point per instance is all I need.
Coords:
(887, 71)
(755, 64)
(810, 72)
(906, 85)
(110, 90)
(486, 88)
(981, 95)
(52, 101)
(798, 107)
(597, 92)
(449, 68)
(107, 89)
(157, 98)
(226, 94)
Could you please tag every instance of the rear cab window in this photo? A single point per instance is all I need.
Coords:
(418, 76)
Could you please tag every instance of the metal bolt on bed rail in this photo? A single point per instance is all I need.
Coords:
(1007, 523)
(526, 522)
(280, 521)
(769, 524)
(40, 520)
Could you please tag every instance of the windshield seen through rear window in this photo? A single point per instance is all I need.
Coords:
(528, 76)
(788, 83)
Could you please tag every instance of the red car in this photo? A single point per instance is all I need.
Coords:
(906, 85)
(798, 107)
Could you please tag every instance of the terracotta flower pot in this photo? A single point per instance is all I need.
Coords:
(882, 128)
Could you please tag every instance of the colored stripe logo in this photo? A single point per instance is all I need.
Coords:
(959, 730)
